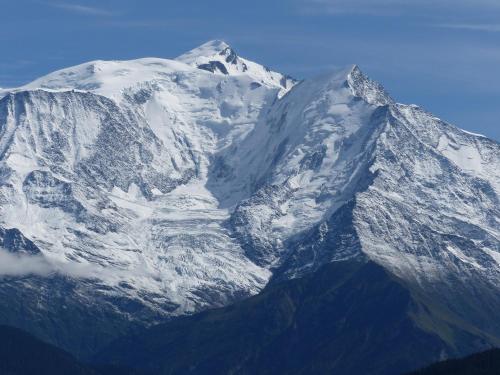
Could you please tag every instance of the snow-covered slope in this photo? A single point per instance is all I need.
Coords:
(185, 184)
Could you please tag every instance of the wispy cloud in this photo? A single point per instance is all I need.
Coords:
(333, 7)
(22, 265)
(472, 27)
(25, 265)
(83, 9)
(39, 265)
(390, 7)
(167, 24)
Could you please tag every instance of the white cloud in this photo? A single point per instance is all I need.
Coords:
(16, 265)
(391, 7)
(83, 9)
(472, 27)
(24, 265)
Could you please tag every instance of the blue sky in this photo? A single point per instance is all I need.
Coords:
(441, 54)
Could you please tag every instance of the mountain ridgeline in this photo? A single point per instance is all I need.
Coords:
(230, 218)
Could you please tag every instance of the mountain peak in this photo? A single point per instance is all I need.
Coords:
(218, 57)
(216, 43)
(364, 87)
(209, 49)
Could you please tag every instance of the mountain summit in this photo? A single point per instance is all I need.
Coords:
(138, 190)
(218, 57)
(208, 50)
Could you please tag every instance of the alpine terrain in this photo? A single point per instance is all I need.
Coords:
(137, 192)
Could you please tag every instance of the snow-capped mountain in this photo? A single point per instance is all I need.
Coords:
(178, 185)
